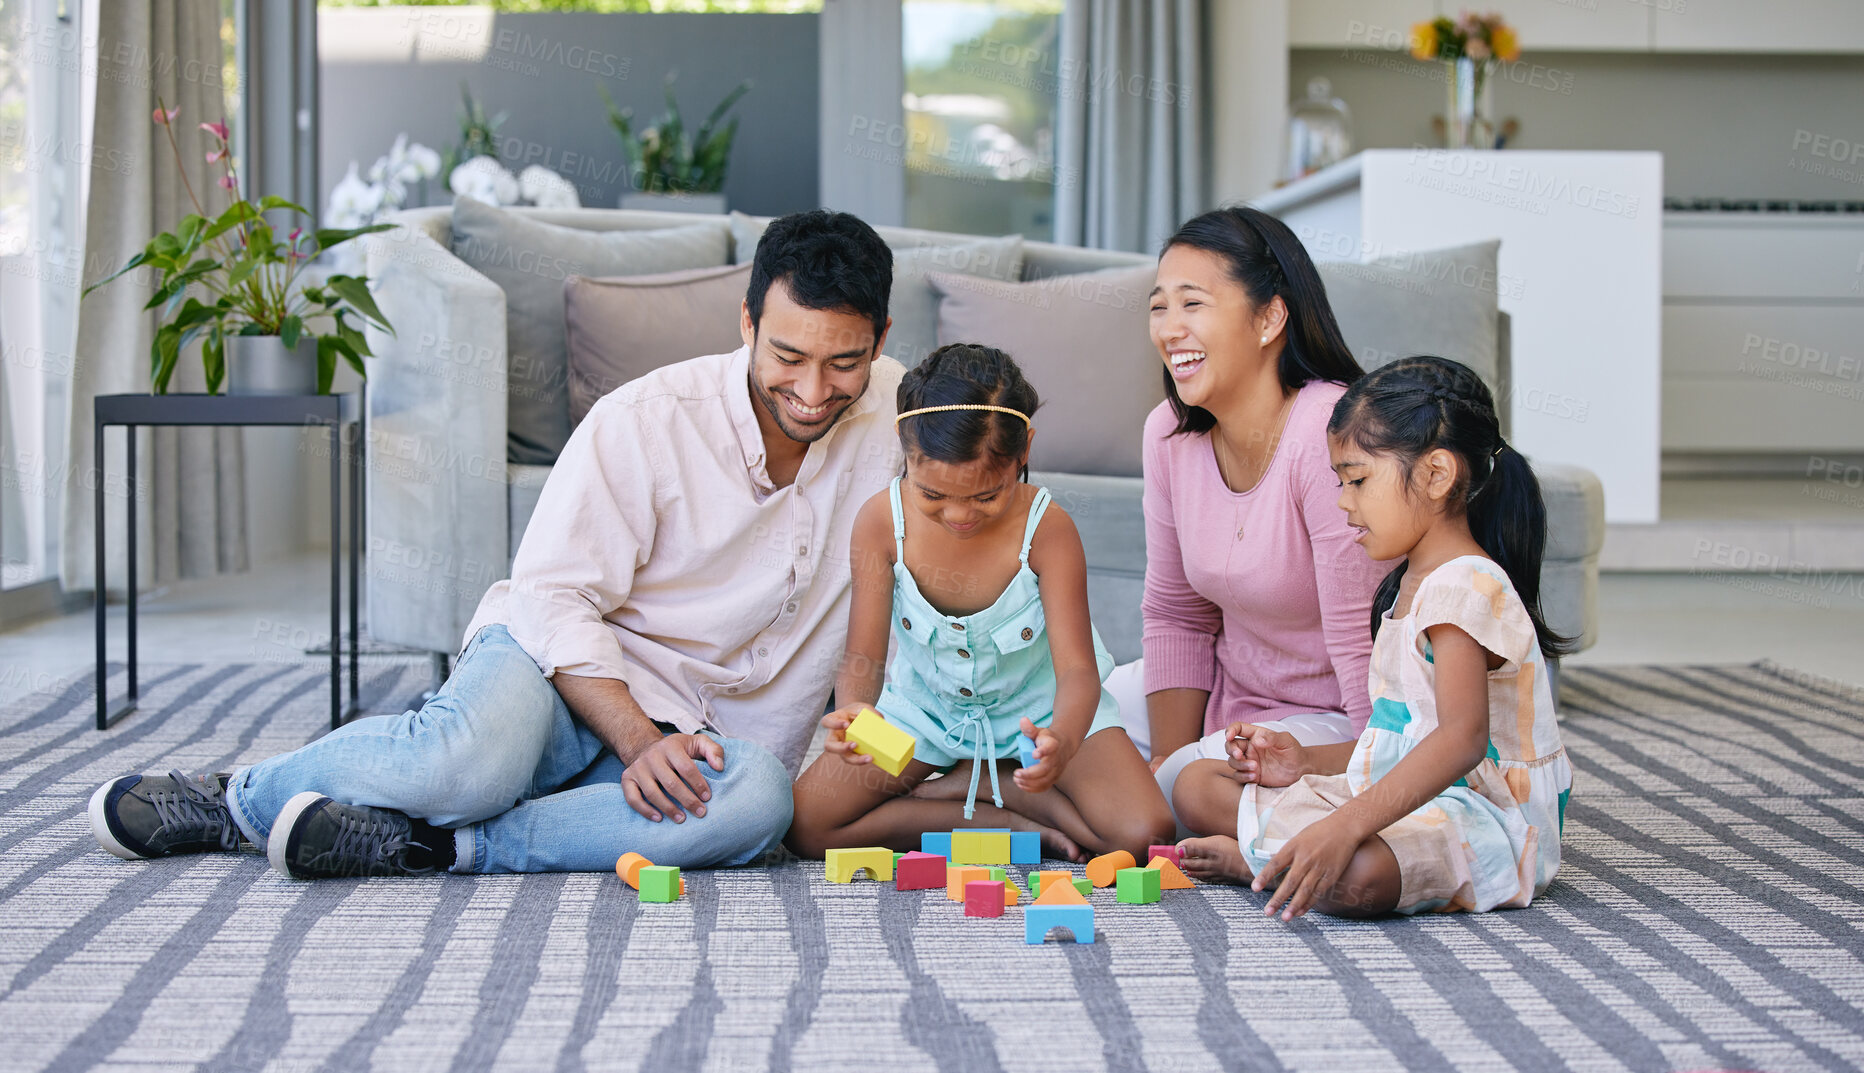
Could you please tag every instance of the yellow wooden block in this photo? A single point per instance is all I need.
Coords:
(957, 876)
(1171, 877)
(890, 746)
(980, 847)
(1060, 894)
(844, 863)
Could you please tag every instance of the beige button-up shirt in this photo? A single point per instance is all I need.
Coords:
(661, 554)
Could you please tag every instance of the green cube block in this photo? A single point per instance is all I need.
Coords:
(1000, 875)
(1137, 886)
(896, 859)
(1085, 886)
(660, 884)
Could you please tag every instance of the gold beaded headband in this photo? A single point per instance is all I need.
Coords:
(966, 406)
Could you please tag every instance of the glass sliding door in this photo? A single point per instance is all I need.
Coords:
(44, 157)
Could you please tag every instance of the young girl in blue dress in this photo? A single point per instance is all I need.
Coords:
(981, 583)
(1453, 797)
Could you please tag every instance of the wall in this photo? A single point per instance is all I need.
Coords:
(390, 70)
(1728, 126)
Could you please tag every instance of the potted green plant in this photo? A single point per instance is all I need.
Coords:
(230, 283)
(669, 168)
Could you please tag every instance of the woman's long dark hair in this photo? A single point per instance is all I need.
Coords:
(1265, 258)
(1414, 406)
(960, 374)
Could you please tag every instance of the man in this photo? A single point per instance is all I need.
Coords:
(649, 677)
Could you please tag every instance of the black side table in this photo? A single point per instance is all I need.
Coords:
(343, 415)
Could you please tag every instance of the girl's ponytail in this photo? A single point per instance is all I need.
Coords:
(1416, 405)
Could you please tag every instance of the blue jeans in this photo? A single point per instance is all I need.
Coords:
(497, 756)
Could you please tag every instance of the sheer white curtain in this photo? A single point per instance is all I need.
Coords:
(1130, 136)
(191, 511)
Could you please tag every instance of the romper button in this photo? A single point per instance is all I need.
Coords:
(906, 622)
(1028, 633)
(959, 626)
(963, 691)
(962, 654)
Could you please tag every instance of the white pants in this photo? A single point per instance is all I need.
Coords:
(1127, 683)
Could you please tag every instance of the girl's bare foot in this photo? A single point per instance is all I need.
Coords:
(1215, 859)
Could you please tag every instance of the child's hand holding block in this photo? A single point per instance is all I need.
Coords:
(872, 735)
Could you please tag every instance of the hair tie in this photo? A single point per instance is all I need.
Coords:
(964, 406)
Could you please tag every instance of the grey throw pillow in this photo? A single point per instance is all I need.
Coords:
(1439, 302)
(913, 304)
(1084, 342)
(621, 328)
(530, 260)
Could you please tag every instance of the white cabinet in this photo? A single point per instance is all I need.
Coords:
(1367, 24)
(1750, 26)
(1776, 26)
(1577, 26)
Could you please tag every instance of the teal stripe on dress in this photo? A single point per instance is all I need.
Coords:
(1388, 714)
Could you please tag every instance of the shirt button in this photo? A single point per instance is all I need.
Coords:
(963, 691)
(802, 549)
(790, 607)
(963, 654)
(763, 651)
(906, 622)
(1028, 633)
(733, 689)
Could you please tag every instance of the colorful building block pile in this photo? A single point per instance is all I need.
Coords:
(969, 864)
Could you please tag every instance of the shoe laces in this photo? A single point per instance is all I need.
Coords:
(192, 807)
(367, 842)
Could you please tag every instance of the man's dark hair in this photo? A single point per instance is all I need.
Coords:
(825, 260)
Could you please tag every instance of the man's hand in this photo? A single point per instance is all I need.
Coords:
(662, 779)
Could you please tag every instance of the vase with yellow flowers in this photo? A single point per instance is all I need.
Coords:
(1470, 47)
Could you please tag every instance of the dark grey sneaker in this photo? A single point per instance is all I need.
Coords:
(318, 838)
(141, 816)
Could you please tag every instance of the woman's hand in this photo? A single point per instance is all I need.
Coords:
(1052, 755)
(1309, 865)
(1263, 756)
(837, 723)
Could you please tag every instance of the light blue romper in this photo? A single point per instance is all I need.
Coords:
(963, 684)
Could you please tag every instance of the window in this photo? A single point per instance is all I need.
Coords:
(981, 93)
(43, 158)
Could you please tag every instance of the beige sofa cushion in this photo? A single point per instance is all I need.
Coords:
(1084, 342)
(622, 327)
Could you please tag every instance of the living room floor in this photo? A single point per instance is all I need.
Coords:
(1810, 624)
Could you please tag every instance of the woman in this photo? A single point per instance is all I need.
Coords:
(1257, 599)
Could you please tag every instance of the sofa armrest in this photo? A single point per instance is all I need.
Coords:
(1110, 514)
(436, 465)
(1569, 573)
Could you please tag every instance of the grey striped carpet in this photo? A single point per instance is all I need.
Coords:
(1707, 917)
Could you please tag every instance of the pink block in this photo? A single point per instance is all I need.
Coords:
(1171, 853)
(919, 871)
(983, 898)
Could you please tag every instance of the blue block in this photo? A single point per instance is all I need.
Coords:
(937, 843)
(1038, 919)
(1025, 847)
(1026, 749)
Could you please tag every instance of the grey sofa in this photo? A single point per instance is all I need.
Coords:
(446, 512)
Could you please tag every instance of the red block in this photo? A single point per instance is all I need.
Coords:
(919, 871)
(983, 898)
(1171, 853)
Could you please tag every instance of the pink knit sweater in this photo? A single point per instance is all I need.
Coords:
(1260, 597)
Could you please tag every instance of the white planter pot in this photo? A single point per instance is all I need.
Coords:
(709, 204)
(260, 365)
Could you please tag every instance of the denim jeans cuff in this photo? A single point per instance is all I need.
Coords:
(248, 824)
